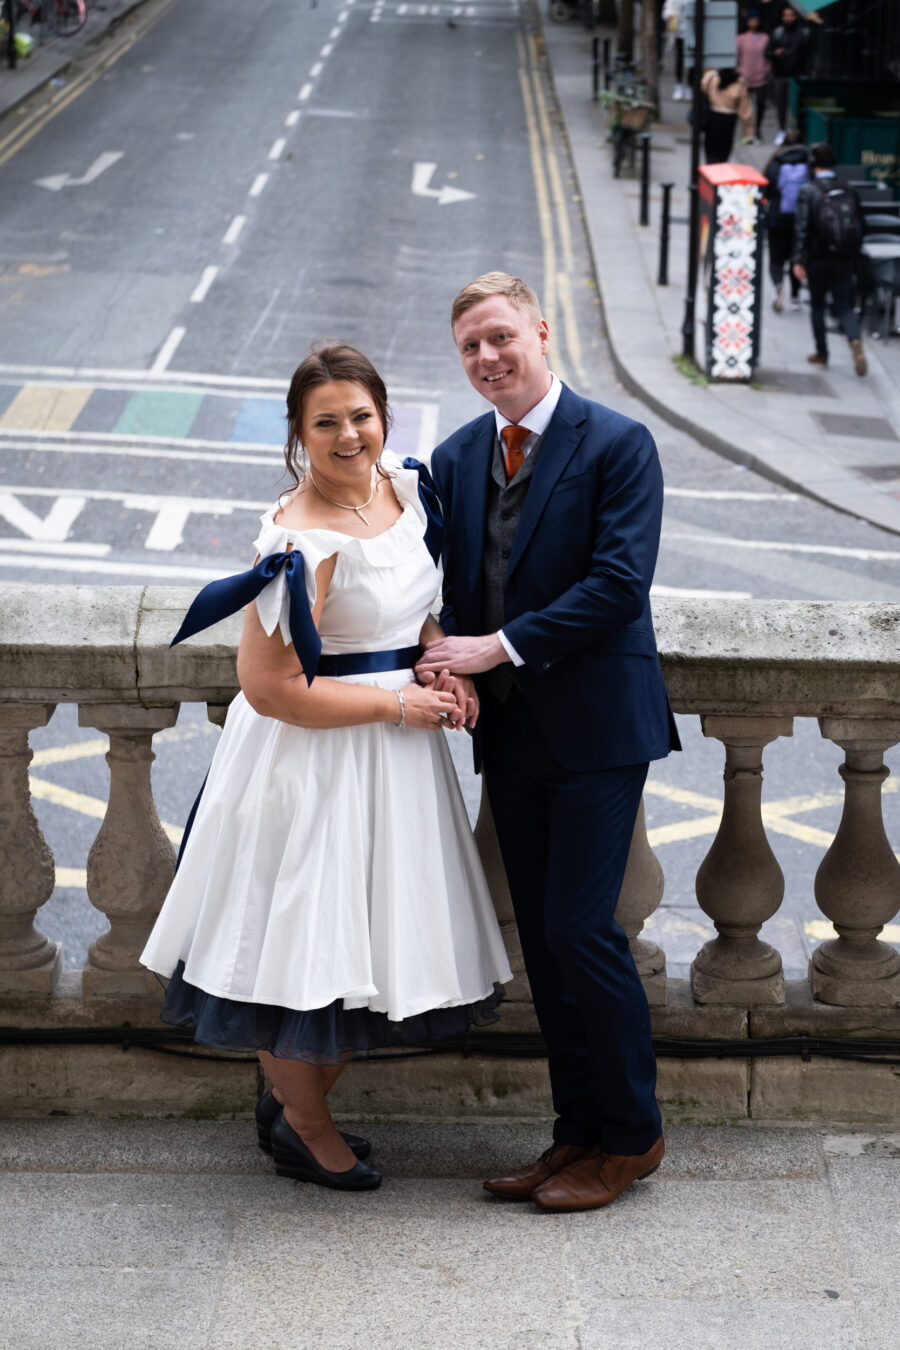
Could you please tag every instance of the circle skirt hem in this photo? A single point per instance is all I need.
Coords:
(319, 1035)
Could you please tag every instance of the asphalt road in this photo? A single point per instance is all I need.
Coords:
(243, 181)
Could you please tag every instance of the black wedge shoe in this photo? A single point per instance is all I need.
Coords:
(268, 1108)
(293, 1159)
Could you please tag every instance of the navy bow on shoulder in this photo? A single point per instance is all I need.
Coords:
(221, 598)
(434, 530)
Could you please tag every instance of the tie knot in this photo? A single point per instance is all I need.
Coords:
(514, 438)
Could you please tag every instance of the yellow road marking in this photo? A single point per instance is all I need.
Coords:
(74, 877)
(545, 215)
(683, 829)
(45, 407)
(83, 804)
(62, 754)
(683, 796)
(820, 930)
(33, 122)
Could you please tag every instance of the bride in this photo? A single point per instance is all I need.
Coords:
(329, 898)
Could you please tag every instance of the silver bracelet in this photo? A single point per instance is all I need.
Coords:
(402, 700)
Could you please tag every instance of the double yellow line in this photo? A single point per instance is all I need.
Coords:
(553, 216)
(35, 120)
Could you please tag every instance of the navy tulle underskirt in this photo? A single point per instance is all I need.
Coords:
(318, 1036)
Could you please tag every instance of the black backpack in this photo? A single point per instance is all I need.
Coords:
(838, 221)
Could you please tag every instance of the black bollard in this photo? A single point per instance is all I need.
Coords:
(645, 177)
(10, 7)
(662, 276)
(595, 67)
(606, 63)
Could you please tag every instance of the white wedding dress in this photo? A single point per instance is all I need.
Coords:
(330, 896)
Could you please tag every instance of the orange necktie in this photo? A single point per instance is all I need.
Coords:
(515, 437)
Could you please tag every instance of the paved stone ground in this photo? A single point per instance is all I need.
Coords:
(158, 1234)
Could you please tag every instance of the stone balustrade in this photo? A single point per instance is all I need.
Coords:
(747, 670)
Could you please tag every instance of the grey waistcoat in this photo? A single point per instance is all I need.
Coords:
(504, 507)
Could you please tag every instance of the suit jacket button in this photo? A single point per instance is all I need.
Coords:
(506, 515)
(545, 666)
(504, 553)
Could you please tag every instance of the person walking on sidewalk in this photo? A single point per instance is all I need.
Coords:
(559, 636)
(828, 236)
(787, 171)
(788, 51)
(754, 67)
(675, 19)
(728, 99)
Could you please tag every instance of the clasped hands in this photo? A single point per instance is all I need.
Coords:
(448, 664)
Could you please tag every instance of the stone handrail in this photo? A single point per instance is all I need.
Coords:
(745, 668)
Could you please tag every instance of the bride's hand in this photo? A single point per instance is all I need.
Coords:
(463, 691)
(429, 708)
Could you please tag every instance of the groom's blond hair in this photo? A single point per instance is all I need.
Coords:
(496, 283)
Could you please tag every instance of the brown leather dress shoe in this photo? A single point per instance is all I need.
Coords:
(519, 1185)
(597, 1179)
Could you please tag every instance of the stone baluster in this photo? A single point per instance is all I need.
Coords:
(858, 881)
(642, 891)
(739, 883)
(131, 862)
(519, 991)
(29, 962)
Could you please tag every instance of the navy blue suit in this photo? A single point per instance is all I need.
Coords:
(566, 755)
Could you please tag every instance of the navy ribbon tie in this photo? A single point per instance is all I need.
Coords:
(434, 530)
(221, 598)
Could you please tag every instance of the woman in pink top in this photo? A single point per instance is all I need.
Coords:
(752, 66)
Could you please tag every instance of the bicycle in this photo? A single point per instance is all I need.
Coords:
(64, 17)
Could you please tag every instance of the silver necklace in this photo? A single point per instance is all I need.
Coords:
(343, 505)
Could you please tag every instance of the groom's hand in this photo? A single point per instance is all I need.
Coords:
(463, 655)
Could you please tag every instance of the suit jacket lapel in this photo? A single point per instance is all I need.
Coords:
(474, 469)
(561, 440)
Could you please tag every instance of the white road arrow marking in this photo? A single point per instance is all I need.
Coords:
(52, 528)
(444, 195)
(56, 182)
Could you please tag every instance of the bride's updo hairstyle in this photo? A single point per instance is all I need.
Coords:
(331, 361)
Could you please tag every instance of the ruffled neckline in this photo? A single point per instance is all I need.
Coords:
(382, 550)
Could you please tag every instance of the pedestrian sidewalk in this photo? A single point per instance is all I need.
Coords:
(161, 1234)
(56, 60)
(827, 433)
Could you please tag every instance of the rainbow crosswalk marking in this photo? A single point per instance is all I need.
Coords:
(113, 408)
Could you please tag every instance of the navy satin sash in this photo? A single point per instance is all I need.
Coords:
(221, 598)
(434, 529)
(369, 663)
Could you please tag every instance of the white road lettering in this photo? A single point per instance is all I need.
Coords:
(55, 526)
(444, 196)
(167, 530)
(56, 182)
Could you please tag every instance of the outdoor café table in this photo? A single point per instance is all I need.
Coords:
(882, 272)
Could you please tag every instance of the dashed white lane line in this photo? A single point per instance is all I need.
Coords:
(334, 34)
(277, 148)
(305, 91)
(292, 118)
(315, 71)
(231, 234)
(326, 50)
(200, 291)
(167, 350)
(259, 183)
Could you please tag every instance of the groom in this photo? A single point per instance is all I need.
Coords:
(552, 509)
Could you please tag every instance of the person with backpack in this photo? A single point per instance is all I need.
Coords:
(786, 171)
(828, 235)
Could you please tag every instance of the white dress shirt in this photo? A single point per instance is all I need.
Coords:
(537, 422)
